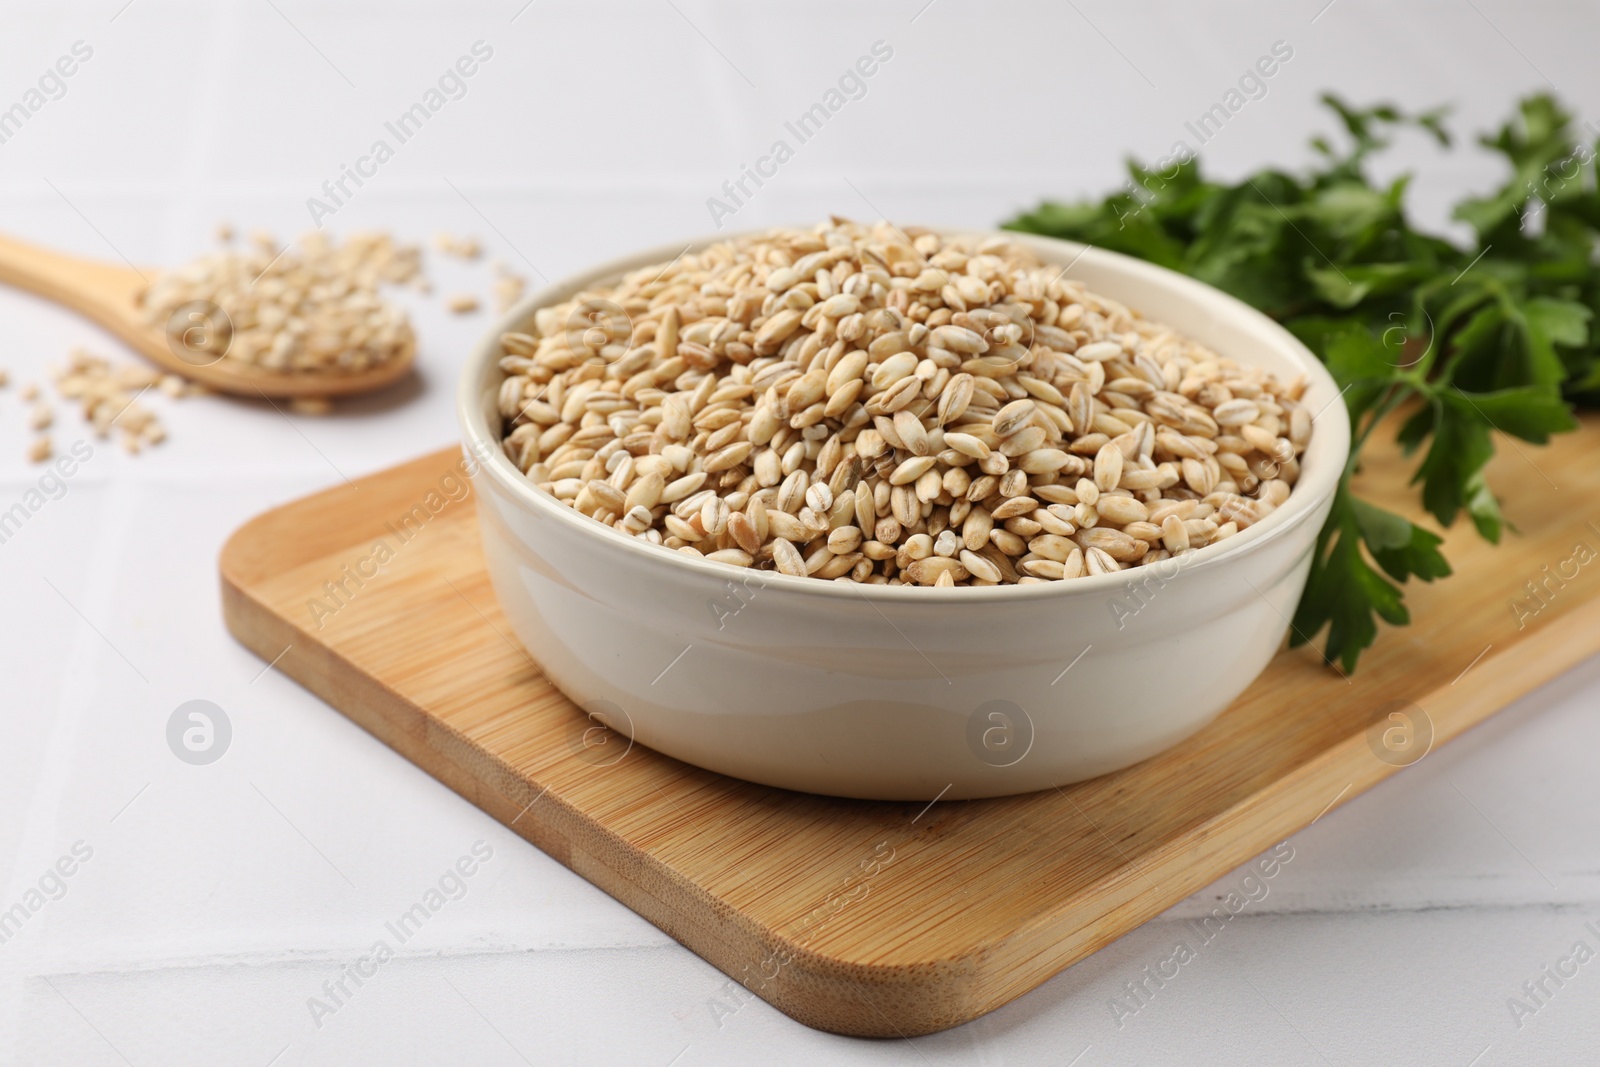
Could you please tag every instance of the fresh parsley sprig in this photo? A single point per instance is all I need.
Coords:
(1459, 340)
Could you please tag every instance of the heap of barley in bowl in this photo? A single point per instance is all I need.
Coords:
(887, 406)
(311, 308)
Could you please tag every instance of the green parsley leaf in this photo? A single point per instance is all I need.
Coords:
(1461, 341)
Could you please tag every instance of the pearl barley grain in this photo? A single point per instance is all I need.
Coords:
(872, 404)
(310, 308)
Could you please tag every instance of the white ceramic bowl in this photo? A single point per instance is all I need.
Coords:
(905, 693)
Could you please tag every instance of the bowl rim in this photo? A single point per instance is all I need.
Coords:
(1315, 487)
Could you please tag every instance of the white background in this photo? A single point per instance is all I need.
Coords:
(218, 899)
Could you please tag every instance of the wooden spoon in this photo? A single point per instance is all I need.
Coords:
(109, 294)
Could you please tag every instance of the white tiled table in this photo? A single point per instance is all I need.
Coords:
(218, 899)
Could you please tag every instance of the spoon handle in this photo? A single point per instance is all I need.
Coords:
(103, 291)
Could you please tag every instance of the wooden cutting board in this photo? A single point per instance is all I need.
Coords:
(885, 919)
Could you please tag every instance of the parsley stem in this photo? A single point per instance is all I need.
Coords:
(1392, 398)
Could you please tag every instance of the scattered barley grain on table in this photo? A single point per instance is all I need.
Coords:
(110, 397)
